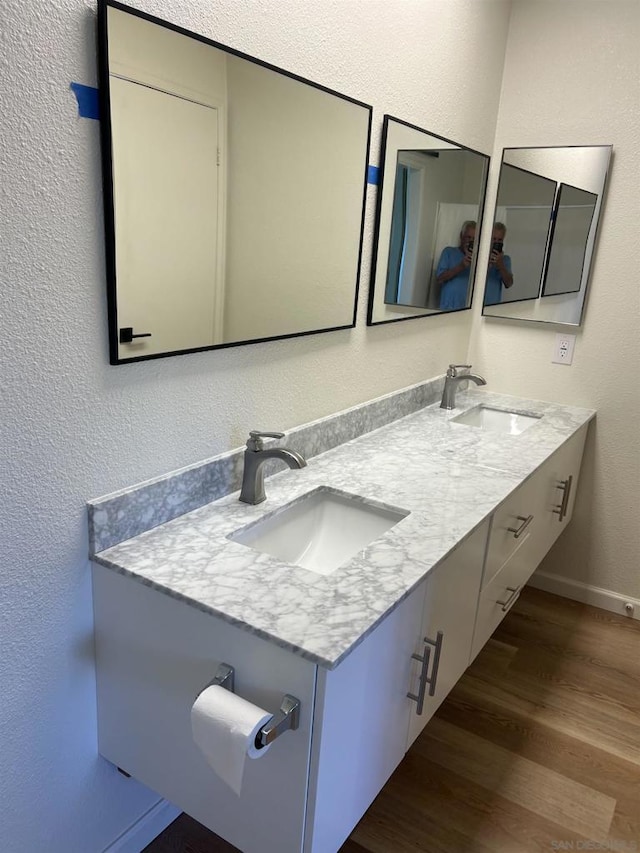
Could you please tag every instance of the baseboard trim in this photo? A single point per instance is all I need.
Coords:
(145, 829)
(585, 593)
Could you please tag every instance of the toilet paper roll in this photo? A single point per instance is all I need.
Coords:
(224, 727)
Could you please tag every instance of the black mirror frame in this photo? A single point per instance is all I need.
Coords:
(376, 238)
(107, 180)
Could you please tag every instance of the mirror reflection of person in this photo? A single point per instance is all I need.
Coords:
(453, 270)
(499, 274)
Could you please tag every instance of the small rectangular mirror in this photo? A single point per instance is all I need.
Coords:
(548, 207)
(569, 239)
(525, 201)
(234, 193)
(430, 203)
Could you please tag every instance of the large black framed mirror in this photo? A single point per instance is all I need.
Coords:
(429, 210)
(234, 193)
(549, 203)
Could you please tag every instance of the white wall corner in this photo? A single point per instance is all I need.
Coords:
(586, 594)
(145, 829)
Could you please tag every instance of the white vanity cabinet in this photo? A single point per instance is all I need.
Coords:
(523, 529)
(155, 653)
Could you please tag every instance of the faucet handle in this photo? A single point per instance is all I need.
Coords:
(453, 369)
(255, 438)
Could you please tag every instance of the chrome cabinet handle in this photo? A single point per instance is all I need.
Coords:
(437, 645)
(518, 531)
(562, 509)
(422, 684)
(567, 495)
(515, 592)
(424, 670)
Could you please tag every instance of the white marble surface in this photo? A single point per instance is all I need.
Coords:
(449, 476)
(136, 509)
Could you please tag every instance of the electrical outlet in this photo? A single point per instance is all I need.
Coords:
(563, 349)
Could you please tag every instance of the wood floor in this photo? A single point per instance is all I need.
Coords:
(536, 749)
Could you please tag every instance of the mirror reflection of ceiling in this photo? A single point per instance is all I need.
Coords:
(430, 189)
(550, 201)
(238, 194)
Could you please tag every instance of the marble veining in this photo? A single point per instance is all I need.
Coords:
(449, 476)
(129, 512)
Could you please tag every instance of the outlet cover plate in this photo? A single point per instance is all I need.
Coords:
(563, 349)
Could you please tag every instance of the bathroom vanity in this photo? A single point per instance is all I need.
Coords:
(369, 649)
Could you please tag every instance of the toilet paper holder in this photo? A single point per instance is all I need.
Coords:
(288, 717)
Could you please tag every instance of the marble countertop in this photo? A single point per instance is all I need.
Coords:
(450, 477)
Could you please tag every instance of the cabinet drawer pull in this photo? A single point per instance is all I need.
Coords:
(425, 679)
(515, 592)
(518, 531)
(565, 485)
(422, 683)
(437, 646)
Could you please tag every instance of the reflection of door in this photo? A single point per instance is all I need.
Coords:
(403, 278)
(165, 152)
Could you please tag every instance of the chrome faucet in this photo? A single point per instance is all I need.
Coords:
(451, 383)
(255, 456)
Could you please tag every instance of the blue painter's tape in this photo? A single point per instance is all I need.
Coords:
(373, 175)
(87, 97)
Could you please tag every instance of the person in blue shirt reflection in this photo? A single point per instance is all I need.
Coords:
(499, 273)
(453, 270)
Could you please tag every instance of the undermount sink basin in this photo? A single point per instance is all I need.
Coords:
(320, 530)
(497, 420)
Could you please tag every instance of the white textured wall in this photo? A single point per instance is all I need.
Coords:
(73, 427)
(571, 78)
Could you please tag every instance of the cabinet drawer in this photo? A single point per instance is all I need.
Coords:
(513, 523)
(499, 596)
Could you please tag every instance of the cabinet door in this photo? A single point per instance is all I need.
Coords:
(360, 726)
(448, 619)
(558, 483)
(154, 654)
